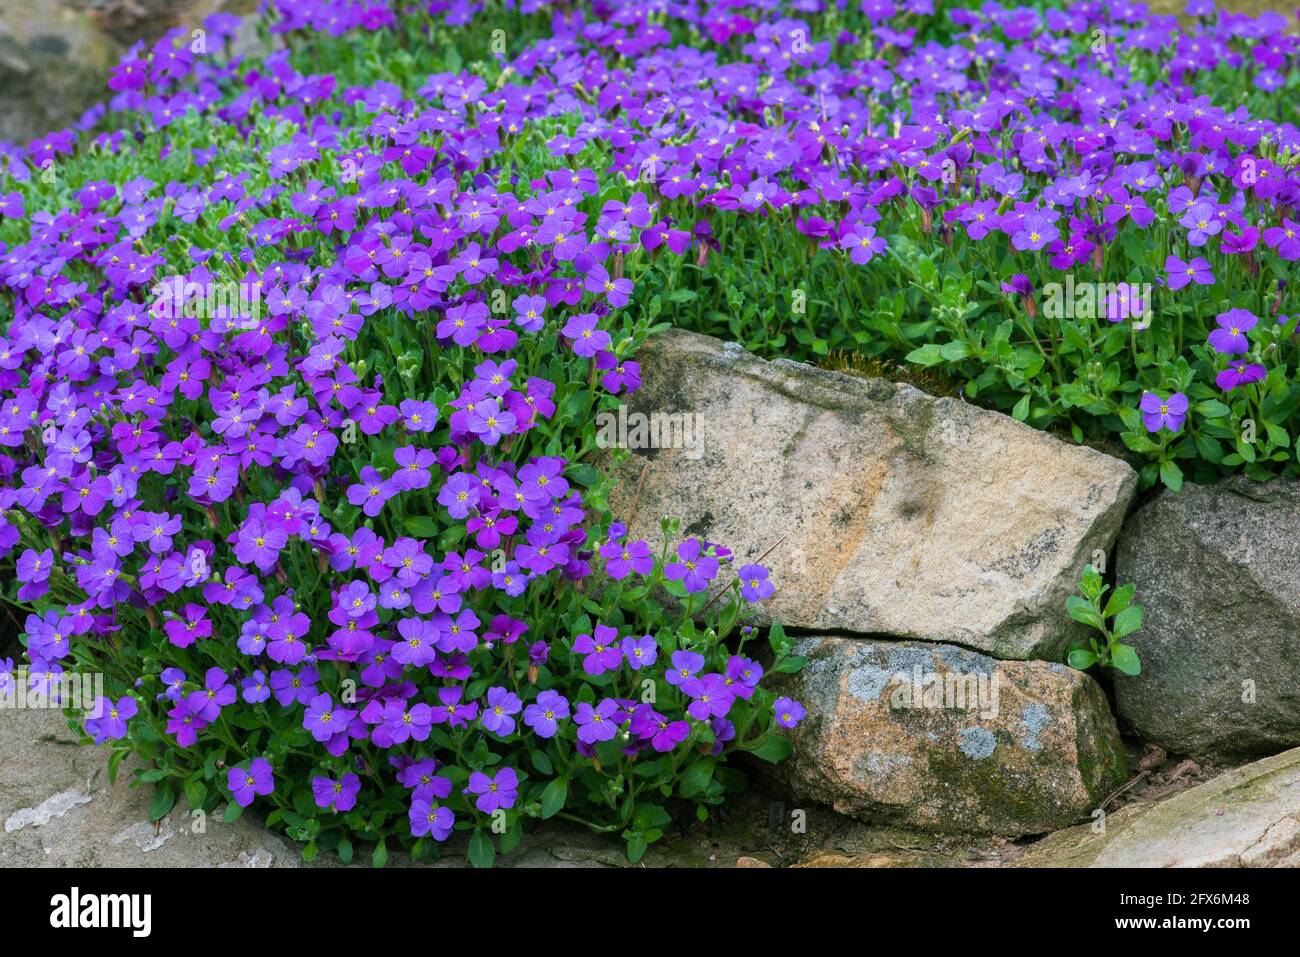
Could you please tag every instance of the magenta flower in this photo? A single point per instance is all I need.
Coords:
(1238, 373)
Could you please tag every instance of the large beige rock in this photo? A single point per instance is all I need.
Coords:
(945, 739)
(1247, 817)
(895, 512)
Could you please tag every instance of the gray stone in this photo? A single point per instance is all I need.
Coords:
(949, 740)
(55, 54)
(886, 510)
(1246, 817)
(1217, 569)
(57, 809)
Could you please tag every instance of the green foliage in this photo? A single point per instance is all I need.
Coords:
(1116, 619)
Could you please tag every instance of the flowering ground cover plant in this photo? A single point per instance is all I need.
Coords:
(301, 357)
(297, 398)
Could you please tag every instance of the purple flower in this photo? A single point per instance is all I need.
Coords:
(1285, 239)
(640, 652)
(324, 720)
(244, 784)
(418, 644)
(712, 697)
(334, 795)
(426, 819)
(596, 724)
(1238, 373)
(623, 559)
(586, 337)
(685, 665)
(34, 571)
(109, 723)
(863, 244)
(754, 585)
(1158, 413)
(788, 712)
(694, 569)
(601, 652)
(1037, 231)
(499, 791)
(501, 704)
(1230, 337)
(1181, 273)
(544, 715)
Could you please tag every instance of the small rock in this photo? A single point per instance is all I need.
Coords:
(948, 740)
(1152, 757)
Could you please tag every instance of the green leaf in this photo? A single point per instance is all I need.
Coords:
(583, 474)
(344, 850)
(790, 666)
(481, 851)
(1125, 658)
(955, 351)
(554, 796)
(1081, 610)
(1081, 659)
(164, 799)
(114, 762)
(1127, 621)
(541, 762)
(776, 637)
(380, 857)
(232, 813)
(421, 526)
(1121, 599)
(1171, 475)
(636, 846)
(927, 355)
(1020, 412)
(697, 777)
(196, 792)
(775, 748)
(511, 838)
